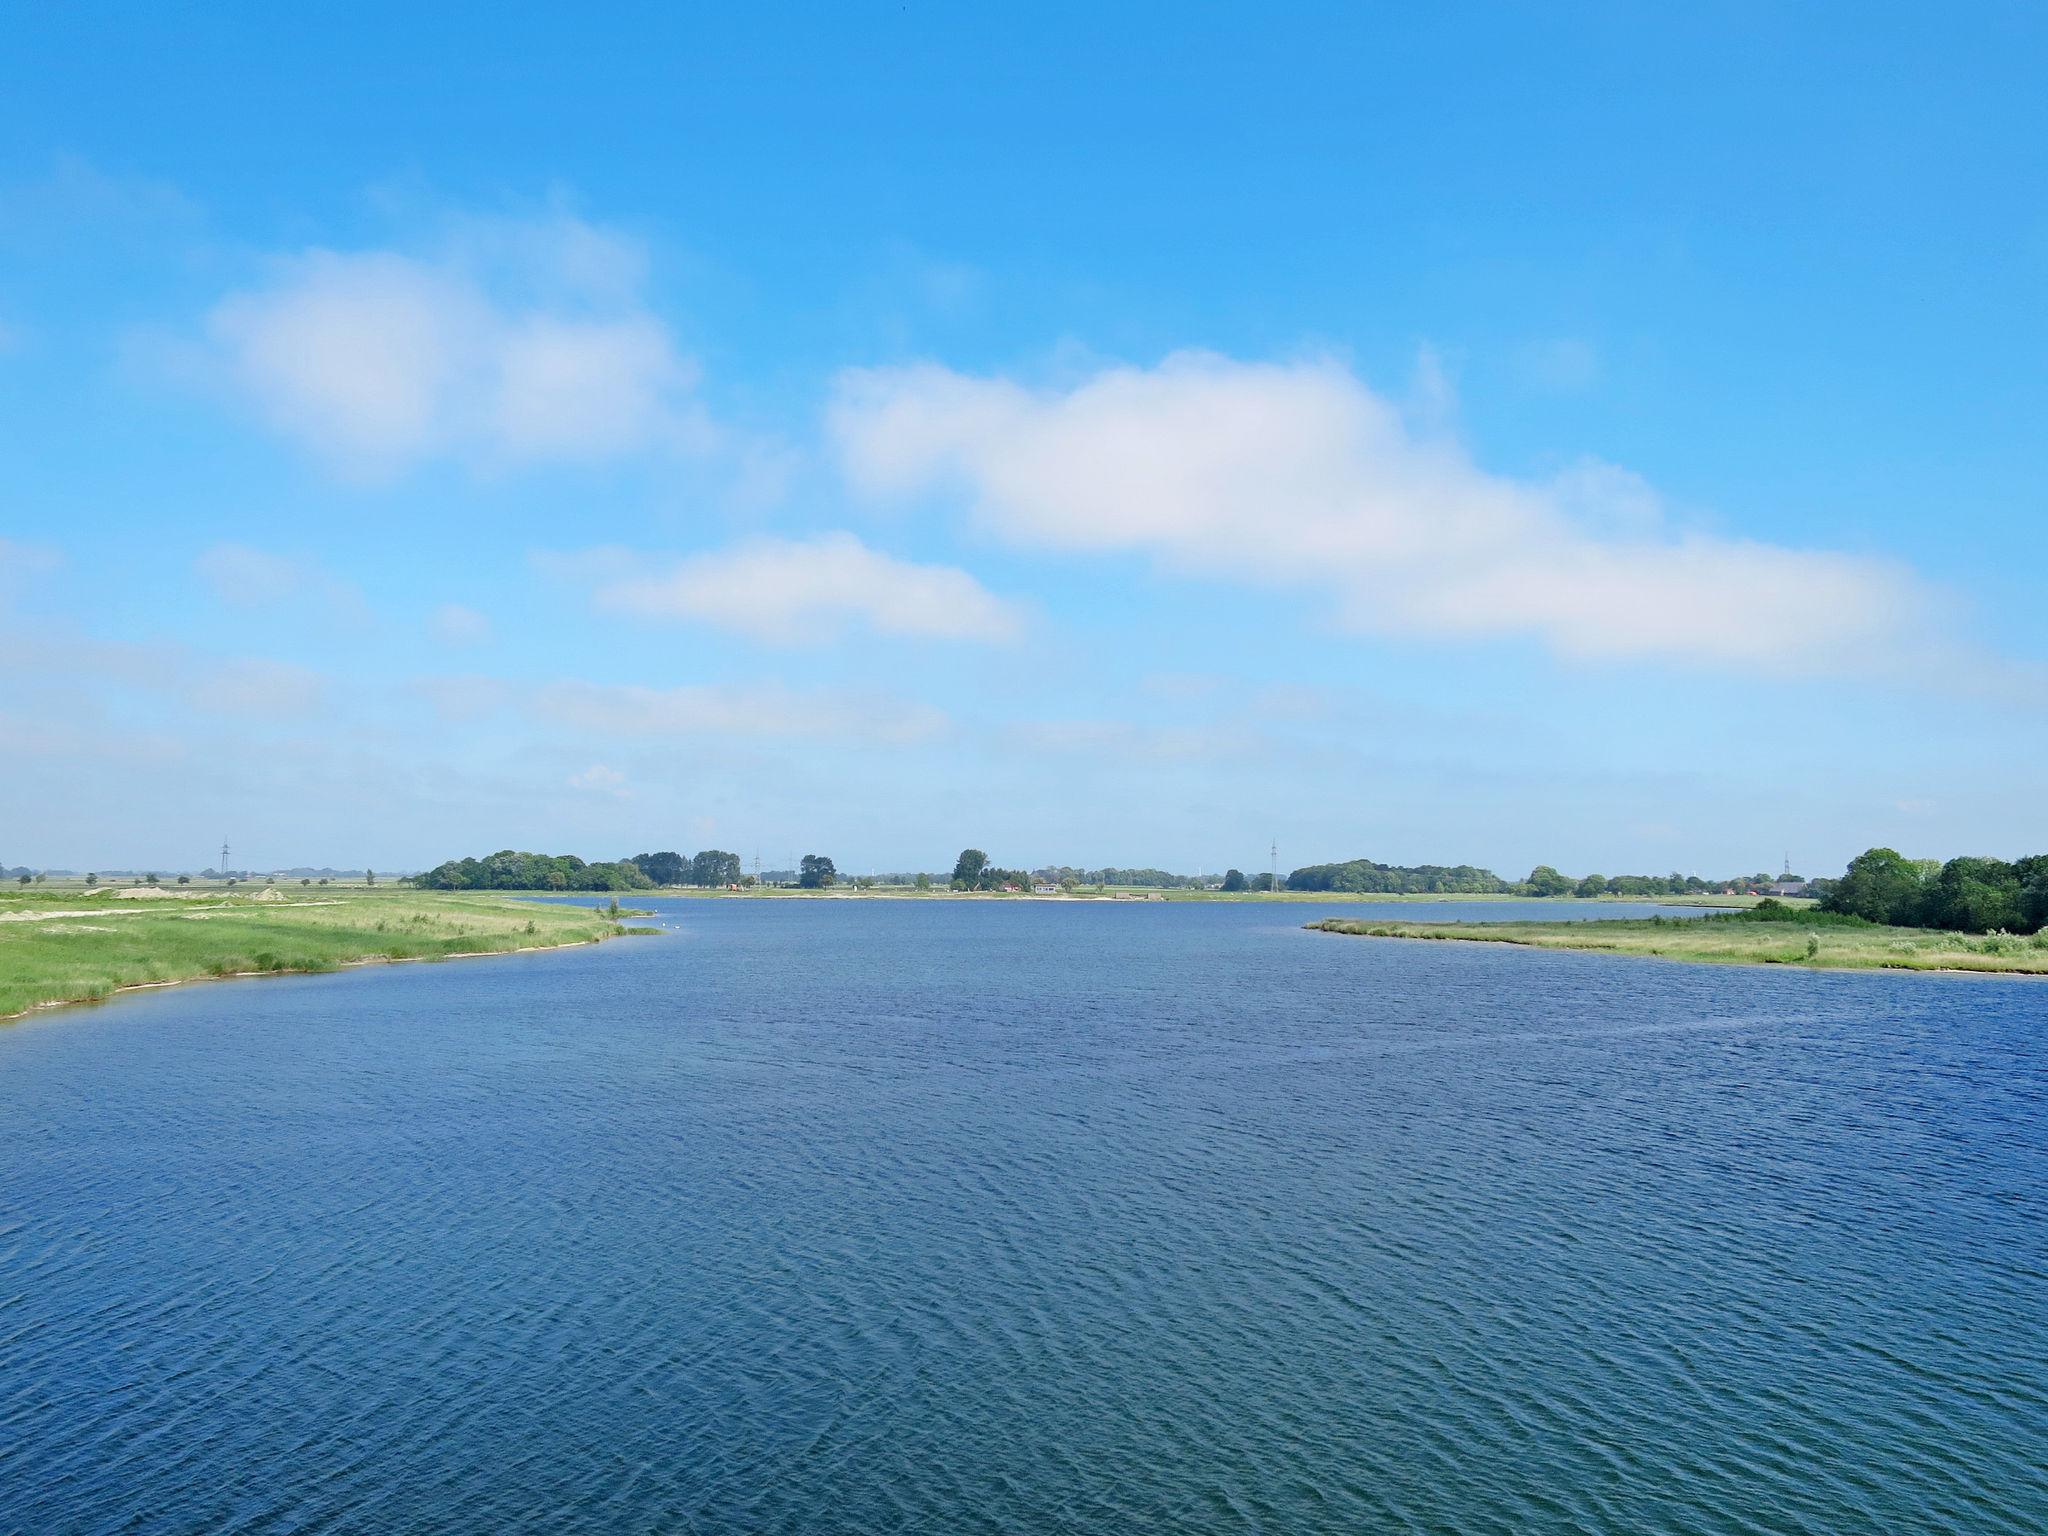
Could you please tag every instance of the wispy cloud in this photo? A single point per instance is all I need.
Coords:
(791, 591)
(1298, 475)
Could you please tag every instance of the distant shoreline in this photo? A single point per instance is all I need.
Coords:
(1128, 896)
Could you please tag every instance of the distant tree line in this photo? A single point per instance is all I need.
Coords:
(713, 867)
(1363, 876)
(1366, 877)
(973, 872)
(1969, 894)
(1545, 881)
(508, 870)
(1153, 879)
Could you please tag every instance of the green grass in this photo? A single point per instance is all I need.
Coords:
(68, 946)
(1800, 938)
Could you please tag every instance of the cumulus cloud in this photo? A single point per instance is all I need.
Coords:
(528, 345)
(792, 590)
(1297, 475)
(765, 710)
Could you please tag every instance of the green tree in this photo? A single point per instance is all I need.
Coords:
(1545, 881)
(92, 879)
(924, 882)
(968, 868)
(663, 868)
(815, 872)
(1233, 880)
(1975, 896)
(1881, 886)
(187, 880)
(1592, 885)
(369, 877)
(24, 878)
(2032, 874)
(715, 867)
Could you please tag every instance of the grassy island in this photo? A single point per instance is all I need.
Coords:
(1787, 936)
(69, 946)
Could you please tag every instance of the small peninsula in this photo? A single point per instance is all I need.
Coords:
(71, 946)
(1806, 938)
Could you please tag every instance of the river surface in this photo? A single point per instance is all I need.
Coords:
(883, 1216)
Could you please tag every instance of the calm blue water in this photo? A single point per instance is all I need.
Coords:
(953, 1217)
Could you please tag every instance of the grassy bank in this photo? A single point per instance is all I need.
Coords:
(68, 946)
(1737, 939)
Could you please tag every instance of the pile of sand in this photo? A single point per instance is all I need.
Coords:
(270, 893)
(153, 893)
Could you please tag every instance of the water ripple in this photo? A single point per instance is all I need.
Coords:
(889, 1217)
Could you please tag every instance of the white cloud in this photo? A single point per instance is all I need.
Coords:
(522, 343)
(1298, 475)
(795, 590)
(714, 710)
(454, 624)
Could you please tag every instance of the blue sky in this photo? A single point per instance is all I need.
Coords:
(1595, 435)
